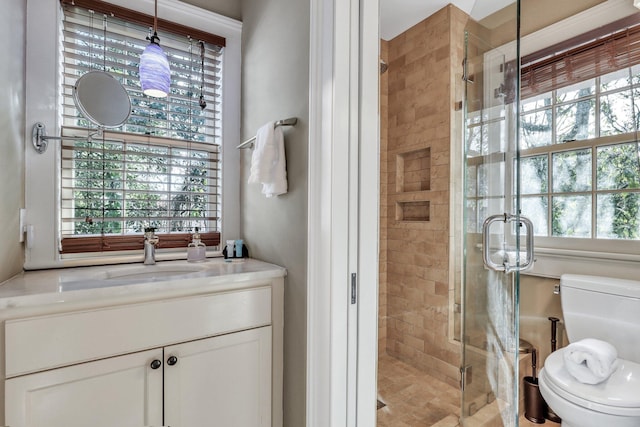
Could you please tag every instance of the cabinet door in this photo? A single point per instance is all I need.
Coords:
(220, 381)
(122, 391)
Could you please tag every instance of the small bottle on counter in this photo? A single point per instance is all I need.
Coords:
(239, 246)
(196, 250)
(229, 250)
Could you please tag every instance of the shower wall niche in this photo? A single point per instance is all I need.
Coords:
(413, 181)
(413, 170)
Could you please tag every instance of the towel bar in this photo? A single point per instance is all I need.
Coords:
(285, 122)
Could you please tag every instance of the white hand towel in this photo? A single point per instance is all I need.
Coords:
(590, 361)
(262, 156)
(268, 161)
(277, 182)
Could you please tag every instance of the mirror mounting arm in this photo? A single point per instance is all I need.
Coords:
(39, 137)
(99, 98)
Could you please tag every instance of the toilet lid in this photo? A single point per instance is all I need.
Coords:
(620, 394)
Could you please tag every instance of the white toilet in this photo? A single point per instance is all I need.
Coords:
(609, 310)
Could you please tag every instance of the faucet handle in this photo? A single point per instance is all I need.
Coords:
(150, 236)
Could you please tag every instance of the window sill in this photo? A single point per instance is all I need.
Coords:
(552, 262)
(129, 257)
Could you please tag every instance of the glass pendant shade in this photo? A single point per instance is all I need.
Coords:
(155, 75)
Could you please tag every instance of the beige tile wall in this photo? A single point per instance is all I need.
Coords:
(417, 112)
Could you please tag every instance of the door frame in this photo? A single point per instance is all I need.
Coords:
(343, 164)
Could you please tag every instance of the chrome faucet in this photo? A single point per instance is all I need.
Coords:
(150, 242)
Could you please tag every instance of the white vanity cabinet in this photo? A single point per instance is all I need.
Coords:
(188, 359)
(119, 391)
(223, 380)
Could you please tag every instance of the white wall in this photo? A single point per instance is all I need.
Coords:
(231, 9)
(12, 83)
(275, 85)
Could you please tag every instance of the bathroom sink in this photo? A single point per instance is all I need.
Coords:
(151, 271)
(128, 274)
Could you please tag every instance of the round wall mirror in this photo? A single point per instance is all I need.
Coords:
(102, 99)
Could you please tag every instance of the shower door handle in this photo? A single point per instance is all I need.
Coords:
(506, 265)
(528, 262)
(488, 262)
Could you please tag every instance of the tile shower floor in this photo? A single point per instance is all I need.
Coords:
(413, 398)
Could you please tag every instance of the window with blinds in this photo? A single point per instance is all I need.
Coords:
(162, 167)
(580, 156)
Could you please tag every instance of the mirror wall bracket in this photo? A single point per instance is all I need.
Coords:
(39, 137)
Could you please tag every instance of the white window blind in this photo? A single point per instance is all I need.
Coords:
(95, 42)
(112, 185)
(161, 168)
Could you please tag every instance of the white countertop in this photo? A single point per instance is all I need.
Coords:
(102, 285)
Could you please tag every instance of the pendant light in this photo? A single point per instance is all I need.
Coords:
(155, 75)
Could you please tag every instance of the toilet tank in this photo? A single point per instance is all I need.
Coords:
(603, 308)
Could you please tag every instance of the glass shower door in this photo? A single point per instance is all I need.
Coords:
(492, 227)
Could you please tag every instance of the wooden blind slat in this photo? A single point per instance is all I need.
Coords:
(82, 244)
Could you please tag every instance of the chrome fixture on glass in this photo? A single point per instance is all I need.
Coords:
(155, 75)
(509, 263)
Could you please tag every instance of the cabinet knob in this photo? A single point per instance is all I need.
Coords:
(156, 364)
(172, 360)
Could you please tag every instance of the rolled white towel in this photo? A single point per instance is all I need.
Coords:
(590, 361)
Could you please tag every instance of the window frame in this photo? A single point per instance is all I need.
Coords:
(116, 38)
(558, 255)
(42, 171)
(592, 243)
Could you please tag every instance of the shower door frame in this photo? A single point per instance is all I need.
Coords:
(494, 278)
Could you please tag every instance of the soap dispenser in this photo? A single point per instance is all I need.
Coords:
(196, 250)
